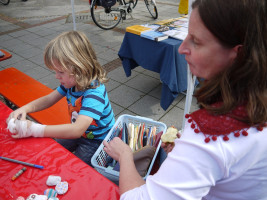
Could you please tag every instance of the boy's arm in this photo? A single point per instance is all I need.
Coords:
(43, 102)
(22, 128)
(69, 131)
(36, 105)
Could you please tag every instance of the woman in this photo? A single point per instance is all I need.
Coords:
(222, 153)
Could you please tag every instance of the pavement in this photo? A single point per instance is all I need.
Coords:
(26, 28)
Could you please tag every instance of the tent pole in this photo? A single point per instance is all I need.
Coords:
(190, 80)
(73, 15)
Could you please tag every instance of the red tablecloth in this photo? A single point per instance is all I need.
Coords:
(84, 181)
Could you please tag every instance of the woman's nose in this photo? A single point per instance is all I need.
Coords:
(183, 49)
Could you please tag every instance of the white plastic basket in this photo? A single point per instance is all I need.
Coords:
(99, 159)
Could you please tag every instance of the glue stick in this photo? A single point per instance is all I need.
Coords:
(18, 173)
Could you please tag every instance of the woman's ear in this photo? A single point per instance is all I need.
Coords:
(236, 50)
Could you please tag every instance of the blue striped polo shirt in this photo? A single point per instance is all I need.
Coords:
(93, 103)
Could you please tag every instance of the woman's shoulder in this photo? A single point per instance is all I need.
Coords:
(212, 126)
(229, 151)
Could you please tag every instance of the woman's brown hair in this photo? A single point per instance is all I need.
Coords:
(244, 23)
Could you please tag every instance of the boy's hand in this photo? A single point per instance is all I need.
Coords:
(25, 128)
(20, 113)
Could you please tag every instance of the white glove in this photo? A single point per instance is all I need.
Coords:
(22, 130)
(11, 126)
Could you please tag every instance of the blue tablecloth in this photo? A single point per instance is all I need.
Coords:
(161, 57)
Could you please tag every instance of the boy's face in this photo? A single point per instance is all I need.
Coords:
(65, 77)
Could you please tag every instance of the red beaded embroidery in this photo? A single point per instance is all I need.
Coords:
(221, 125)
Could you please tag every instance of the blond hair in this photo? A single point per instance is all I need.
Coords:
(73, 51)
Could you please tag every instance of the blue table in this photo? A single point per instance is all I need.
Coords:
(161, 57)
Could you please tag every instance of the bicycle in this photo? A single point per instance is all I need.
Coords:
(107, 14)
(4, 2)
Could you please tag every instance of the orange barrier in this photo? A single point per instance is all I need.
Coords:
(20, 89)
(6, 56)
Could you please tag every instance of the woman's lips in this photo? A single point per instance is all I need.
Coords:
(188, 62)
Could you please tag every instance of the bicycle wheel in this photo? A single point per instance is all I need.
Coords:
(105, 18)
(152, 8)
(4, 2)
(134, 3)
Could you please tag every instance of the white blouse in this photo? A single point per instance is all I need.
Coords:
(218, 170)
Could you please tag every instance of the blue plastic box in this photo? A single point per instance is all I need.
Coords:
(99, 159)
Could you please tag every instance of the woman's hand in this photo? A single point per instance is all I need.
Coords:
(129, 176)
(168, 146)
(116, 148)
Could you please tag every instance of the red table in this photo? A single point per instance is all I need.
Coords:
(84, 181)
